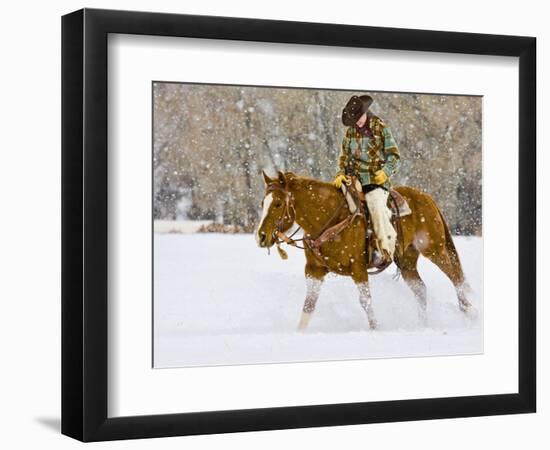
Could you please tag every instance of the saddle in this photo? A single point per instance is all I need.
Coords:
(356, 199)
(399, 205)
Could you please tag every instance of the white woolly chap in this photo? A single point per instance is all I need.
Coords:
(380, 215)
(267, 203)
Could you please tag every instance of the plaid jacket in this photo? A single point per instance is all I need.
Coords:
(363, 156)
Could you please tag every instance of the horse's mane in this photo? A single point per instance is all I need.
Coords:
(291, 176)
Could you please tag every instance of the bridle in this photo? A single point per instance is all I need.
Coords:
(279, 236)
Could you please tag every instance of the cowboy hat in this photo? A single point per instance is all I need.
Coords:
(355, 108)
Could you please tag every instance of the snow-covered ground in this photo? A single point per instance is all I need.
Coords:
(179, 226)
(219, 299)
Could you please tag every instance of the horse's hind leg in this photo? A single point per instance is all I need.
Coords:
(407, 265)
(451, 267)
(314, 280)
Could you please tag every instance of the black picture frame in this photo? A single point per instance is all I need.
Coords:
(84, 224)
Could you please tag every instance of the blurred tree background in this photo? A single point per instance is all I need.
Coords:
(211, 143)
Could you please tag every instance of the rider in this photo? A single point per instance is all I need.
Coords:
(369, 152)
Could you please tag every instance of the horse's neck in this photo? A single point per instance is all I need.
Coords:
(315, 205)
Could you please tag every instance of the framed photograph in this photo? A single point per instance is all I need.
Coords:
(272, 224)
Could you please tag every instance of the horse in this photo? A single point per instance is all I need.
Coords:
(316, 206)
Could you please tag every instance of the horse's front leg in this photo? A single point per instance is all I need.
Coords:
(314, 280)
(361, 278)
(365, 300)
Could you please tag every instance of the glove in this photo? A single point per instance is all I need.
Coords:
(380, 177)
(339, 180)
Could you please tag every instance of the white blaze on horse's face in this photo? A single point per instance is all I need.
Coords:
(268, 199)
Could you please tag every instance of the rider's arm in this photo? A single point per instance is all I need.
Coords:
(392, 160)
(344, 154)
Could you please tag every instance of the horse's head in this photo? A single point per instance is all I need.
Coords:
(277, 211)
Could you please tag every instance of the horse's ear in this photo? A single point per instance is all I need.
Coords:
(282, 178)
(267, 180)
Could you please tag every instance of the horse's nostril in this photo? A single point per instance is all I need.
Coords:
(262, 237)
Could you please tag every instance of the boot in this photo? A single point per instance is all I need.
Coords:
(377, 258)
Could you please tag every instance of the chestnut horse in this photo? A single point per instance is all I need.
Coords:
(315, 206)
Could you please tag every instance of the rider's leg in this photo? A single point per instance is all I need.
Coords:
(352, 203)
(377, 200)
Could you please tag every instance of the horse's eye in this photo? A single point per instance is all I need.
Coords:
(278, 204)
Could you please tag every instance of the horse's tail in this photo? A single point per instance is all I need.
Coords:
(451, 249)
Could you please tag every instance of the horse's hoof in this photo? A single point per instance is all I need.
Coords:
(373, 324)
(423, 319)
(470, 312)
(304, 321)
